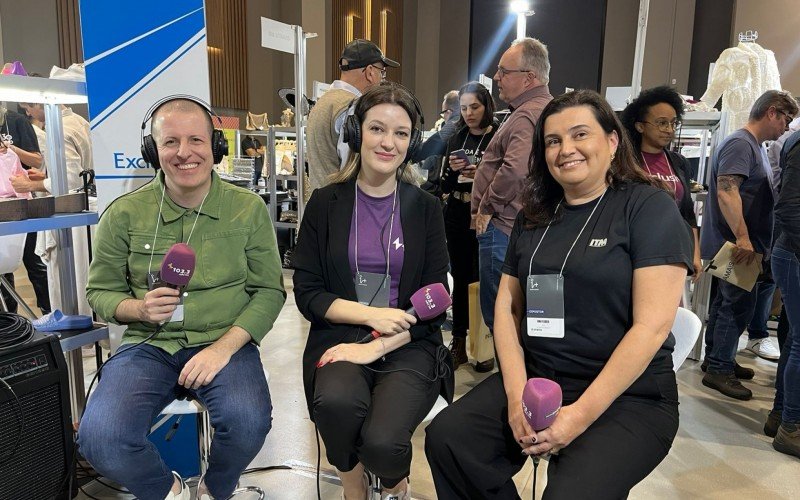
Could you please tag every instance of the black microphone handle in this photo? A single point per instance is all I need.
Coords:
(374, 335)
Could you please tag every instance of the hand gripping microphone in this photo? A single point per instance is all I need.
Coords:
(178, 265)
(426, 303)
(541, 402)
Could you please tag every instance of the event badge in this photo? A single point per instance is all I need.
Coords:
(372, 289)
(545, 306)
(154, 281)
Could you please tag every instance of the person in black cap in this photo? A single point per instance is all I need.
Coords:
(363, 65)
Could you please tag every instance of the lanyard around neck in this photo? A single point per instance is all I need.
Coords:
(561, 273)
(478, 147)
(391, 226)
(674, 182)
(158, 219)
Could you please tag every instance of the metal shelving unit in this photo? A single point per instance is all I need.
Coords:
(276, 184)
(53, 93)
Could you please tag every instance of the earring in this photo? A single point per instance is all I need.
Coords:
(613, 154)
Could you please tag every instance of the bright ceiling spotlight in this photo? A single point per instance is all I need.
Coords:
(520, 7)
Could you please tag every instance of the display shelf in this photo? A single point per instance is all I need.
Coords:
(75, 339)
(286, 177)
(60, 221)
(700, 119)
(285, 225)
(42, 90)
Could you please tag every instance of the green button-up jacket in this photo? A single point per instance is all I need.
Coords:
(237, 279)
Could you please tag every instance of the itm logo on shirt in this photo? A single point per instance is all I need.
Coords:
(397, 244)
(598, 242)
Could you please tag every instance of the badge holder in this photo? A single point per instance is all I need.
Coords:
(544, 293)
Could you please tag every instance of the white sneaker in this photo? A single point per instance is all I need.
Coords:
(184, 494)
(405, 495)
(764, 348)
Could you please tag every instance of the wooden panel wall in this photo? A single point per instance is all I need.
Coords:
(70, 48)
(227, 53)
(378, 20)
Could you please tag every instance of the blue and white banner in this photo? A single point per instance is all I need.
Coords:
(136, 52)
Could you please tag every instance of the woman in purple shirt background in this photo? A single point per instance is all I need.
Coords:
(651, 121)
(367, 242)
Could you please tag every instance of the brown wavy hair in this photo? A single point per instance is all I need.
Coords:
(542, 193)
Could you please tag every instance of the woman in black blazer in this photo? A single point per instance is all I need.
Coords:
(373, 227)
(651, 120)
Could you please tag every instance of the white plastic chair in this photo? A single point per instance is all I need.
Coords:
(11, 250)
(685, 329)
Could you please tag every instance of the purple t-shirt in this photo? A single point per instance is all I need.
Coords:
(374, 219)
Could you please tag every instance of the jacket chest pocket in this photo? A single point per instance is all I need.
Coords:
(142, 247)
(223, 257)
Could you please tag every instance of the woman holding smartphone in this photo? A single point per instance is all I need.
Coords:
(367, 242)
(464, 151)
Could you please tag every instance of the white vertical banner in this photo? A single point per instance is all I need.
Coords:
(136, 52)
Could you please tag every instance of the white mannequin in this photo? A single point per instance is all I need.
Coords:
(741, 74)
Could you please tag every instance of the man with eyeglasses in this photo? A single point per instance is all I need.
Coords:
(363, 65)
(740, 209)
(522, 77)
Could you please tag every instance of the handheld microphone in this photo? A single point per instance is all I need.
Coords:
(178, 265)
(426, 303)
(541, 402)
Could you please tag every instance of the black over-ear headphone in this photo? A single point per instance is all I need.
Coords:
(219, 144)
(351, 129)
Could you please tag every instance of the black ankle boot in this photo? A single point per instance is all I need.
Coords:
(458, 349)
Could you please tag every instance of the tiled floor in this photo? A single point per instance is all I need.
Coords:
(719, 453)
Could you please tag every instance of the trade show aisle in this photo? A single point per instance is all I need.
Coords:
(720, 451)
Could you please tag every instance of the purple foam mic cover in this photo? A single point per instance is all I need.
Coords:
(541, 402)
(430, 301)
(177, 267)
(426, 303)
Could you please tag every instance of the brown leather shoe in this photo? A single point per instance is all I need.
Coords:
(458, 350)
(740, 371)
(485, 366)
(772, 424)
(787, 440)
(727, 384)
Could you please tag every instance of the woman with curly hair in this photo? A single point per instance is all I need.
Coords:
(651, 120)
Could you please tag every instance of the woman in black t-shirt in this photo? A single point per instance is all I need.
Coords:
(476, 127)
(586, 240)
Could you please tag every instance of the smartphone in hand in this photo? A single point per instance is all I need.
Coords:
(461, 155)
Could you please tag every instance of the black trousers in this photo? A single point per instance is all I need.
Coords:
(37, 274)
(369, 417)
(462, 246)
(473, 454)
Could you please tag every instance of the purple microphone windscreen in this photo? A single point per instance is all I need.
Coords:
(177, 267)
(541, 402)
(430, 301)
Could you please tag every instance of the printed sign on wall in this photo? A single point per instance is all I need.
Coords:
(136, 53)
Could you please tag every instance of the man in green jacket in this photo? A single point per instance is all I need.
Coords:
(201, 339)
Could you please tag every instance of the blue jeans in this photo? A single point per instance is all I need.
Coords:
(757, 329)
(786, 272)
(138, 383)
(729, 314)
(492, 246)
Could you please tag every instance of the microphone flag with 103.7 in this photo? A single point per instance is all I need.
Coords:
(426, 303)
(177, 269)
(178, 266)
(541, 402)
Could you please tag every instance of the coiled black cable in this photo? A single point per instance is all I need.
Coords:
(14, 330)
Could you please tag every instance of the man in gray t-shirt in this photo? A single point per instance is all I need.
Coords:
(740, 209)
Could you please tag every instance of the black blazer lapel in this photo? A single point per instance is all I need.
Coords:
(412, 214)
(340, 215)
